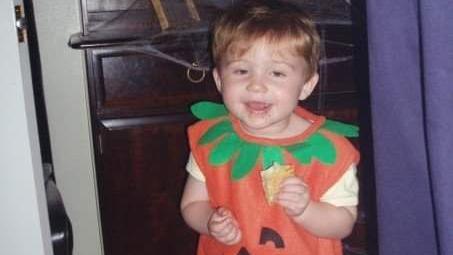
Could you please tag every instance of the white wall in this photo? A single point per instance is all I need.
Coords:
(68, 115)
(24, 224)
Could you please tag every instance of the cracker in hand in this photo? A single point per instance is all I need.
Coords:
(272, 177)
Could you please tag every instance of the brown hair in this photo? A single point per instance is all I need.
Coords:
(273, 21)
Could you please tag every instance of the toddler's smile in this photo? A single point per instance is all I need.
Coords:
(257, 107)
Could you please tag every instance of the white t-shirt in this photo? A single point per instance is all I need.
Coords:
(345, 192)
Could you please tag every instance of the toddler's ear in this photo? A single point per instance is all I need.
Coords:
(217, 80)
(309, 86)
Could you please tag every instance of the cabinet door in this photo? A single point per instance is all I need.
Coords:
(140, 185)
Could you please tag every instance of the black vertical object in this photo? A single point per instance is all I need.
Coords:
(35, 62)
(361, 75)
(60, 225)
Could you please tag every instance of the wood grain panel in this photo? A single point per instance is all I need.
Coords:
(140, 186)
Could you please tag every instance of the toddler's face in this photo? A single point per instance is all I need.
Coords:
(262, 86)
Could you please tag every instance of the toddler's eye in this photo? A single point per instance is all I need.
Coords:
(240, 71)
(278, 74)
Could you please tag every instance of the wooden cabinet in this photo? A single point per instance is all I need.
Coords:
(140, 95)
(140, 111)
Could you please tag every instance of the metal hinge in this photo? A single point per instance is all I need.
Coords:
(21, 23)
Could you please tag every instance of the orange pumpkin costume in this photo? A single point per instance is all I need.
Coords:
(266, 229)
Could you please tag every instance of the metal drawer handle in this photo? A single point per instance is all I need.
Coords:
(189, 74)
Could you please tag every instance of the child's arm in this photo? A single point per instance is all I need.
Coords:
(195, 207)
(319, 218)
(199, 215)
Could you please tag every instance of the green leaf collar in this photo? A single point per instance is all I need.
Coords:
(245, 155)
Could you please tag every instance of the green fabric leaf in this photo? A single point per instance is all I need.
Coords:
(322, 148)
(208, 110)
(316, 146)
(340, 128)
(271, 155)
(246, 160)
(216, 131)
(302, 152)
(225, 150)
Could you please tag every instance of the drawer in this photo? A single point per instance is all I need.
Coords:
(126, 82)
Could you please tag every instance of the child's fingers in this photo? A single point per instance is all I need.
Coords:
(228, 228)
(233, 236)
(294, 197)
(220, 223)
(293, 187)
(220, 214)
(229, 234)
(293, 191)
(293, 182)
(220, 219)
(225, 215)
(224, 227)
(217, 223)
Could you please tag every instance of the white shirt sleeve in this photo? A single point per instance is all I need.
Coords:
(193, 169)
(344, 192)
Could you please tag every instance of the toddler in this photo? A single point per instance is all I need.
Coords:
(266, 55)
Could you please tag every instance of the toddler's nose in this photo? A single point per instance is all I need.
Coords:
(257, 84)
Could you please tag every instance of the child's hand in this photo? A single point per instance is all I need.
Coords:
(223, 227)
(293, 196)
